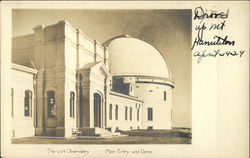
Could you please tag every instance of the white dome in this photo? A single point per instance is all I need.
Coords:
(130, 56)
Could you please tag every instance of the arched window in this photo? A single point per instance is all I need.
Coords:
(27, 103)
(165, 95)
(130, 113)
(110, 111)
(51, 102)
(72, 104)
(126, 113)
(116, 112)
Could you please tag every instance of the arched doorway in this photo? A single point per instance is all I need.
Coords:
(97, 109)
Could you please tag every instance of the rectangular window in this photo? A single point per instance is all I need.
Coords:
(51, 104)
(110, 111)
(165, 95)
(72, 104)
(150, 114)
(138, 114)
(130, 114)
(27, 103)
(126, 113)
(150, 128)
(116, 112)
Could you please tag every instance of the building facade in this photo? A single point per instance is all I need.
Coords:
(63, 81)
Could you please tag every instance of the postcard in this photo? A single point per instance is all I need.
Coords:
(125, 79)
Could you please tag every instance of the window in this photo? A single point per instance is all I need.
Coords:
(51, 104)
(27, 103)
(126, 113)
(116, 112)
(72, 104)
(150, 114)
(138, 112)
(12, 102)
(110, 111)
(150, 127)
(165, 95)
(130, 114)
(80, 77)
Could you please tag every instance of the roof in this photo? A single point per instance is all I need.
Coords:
(131, 56)
(89, 66)
(95, 65)
(23, 68)
(125, 96)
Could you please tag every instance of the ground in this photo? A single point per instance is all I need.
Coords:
(174, 136)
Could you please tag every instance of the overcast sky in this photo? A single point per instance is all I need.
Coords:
(167, 30)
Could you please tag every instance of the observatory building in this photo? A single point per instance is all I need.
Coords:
(63, 82)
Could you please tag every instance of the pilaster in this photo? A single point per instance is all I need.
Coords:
(39, 58)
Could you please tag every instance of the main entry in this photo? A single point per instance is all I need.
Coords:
(97, 110)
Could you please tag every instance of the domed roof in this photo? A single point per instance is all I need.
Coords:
(131, 56)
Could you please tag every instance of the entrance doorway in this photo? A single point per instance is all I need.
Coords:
(97, 109)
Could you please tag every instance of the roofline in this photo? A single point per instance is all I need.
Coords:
(145, 76)
(23, 68)
(105, 44)
(149, 82)
(125, 96)
(21, 36)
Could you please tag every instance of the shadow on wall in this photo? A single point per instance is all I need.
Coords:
(119, 86)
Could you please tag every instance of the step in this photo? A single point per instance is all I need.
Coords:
(101, 130)
(94, 132)
(115, 133)
(104, 135)
(97, 132)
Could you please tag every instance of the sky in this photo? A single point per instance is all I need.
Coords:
(169, 31)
